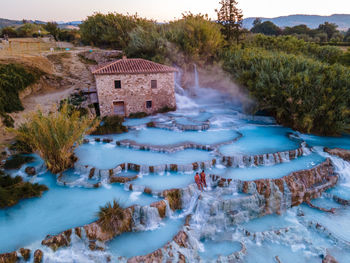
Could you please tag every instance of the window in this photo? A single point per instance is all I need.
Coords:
(117, 84)
(148, 104)
(153, 84)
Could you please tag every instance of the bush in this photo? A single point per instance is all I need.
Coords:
(148, 43)
(12, 190)
(16, 161)
(302, 93)
(293, 45)
(111, 125)
(138, 115)
(166, 109)
(13, 79)
(110, 30)
(7, 120)
(29, 30)
(55, 136)
(9, 31)
(196, 36)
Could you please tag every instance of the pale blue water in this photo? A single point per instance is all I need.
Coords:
(160, 182)
(271, 172)
(155, 136)
(331, 142)
(107, 156)
(57, 210)
(260, 140)
(141, 243)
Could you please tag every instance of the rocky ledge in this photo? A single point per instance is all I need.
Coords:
(296, 188)
(342, 153)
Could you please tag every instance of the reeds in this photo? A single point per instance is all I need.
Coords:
(54, 136)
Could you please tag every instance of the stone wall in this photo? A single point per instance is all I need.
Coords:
(136, 90)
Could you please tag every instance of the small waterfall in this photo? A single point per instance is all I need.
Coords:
(144, 169)
(145, 218)
(189, 198)
(196, 78)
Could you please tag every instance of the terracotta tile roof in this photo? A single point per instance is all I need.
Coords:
(131, 66)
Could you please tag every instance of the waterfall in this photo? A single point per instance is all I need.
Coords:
(196, 78)
(145, 218)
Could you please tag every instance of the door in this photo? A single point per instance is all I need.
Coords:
(119, 108)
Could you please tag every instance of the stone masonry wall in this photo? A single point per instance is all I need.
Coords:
(136, 90)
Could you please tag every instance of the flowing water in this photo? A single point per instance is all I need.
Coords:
(224, 223)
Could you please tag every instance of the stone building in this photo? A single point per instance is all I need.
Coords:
(128, 86)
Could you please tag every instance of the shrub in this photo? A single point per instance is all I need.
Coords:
(55, 135)
(110, 125)
(13, 79)
(110, 30)
(110, 215)
(7, 120)
(166, 109)
(293, 45)
(196, 36)
(16, 161)
(12, 190)
(302, 93)
(138, 115)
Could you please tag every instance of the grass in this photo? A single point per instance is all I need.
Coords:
(110, 216)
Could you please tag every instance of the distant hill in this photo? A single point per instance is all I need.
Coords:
(8, 22)
(312, 21)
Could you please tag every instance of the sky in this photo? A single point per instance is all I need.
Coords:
(162, 10)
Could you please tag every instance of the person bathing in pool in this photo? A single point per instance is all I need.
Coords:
(198, 181)
(204, 182)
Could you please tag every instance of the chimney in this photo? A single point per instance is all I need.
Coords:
(124, 57)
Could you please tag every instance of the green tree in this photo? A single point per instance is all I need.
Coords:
(266, 28)
(29, 30)
(9, 31)
(196, 37)
(53, 29)
(110, 30)
(148, 43)
(347, 36)
(298, 30)
(329, 28)
(231, 19)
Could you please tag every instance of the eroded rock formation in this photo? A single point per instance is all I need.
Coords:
(25, 253)
(94, 231)
(8, 257)
(60, 240)
(297, 187)
(38, 256)
(342, 153)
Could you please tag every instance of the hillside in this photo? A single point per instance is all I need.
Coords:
(8, 22)
(312, 21)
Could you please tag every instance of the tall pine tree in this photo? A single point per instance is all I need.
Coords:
(231, 18)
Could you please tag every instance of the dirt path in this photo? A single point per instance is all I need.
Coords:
(73, 74)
